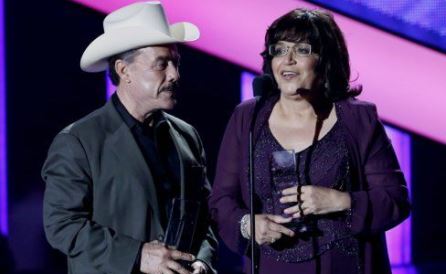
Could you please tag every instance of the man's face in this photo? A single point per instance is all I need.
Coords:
(153, 76)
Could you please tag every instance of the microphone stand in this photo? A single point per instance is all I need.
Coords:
(254, 265)
(261, 86)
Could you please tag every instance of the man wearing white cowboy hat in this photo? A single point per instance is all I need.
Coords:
(111, 177)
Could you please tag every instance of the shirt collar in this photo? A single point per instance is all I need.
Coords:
(159, 118)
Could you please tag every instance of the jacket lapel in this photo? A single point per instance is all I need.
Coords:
(130, 159)
(190, 168)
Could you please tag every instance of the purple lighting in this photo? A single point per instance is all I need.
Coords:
(246, 84)
(3, 176)
(109, 87)
(399, 238)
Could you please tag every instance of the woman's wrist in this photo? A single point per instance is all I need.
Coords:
(244, 226)
(345, 201)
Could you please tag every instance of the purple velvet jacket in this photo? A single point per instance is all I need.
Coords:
(379, 194)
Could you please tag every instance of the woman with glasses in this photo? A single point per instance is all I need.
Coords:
(327, 182)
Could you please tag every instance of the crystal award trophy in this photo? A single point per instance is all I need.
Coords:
(284, 172)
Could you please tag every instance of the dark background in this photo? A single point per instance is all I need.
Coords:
(46, 90)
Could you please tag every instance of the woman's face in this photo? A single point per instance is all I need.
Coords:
(294, 70)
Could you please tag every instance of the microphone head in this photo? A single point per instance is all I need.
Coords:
(262, 85)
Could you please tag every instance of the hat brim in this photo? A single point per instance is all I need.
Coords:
(95, 56)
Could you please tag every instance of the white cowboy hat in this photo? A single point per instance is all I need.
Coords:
(134, 26)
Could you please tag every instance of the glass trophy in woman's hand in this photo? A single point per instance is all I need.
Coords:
(284, 172)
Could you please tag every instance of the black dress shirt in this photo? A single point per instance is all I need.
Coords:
(160, 155)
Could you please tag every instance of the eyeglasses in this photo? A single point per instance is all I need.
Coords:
(279, 50)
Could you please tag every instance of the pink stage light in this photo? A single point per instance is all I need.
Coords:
(405, 80)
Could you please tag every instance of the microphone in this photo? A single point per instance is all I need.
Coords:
(262, 85)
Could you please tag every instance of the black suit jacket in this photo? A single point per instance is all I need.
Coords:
(100, 202)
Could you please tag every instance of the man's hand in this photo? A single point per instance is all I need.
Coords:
(158, 259)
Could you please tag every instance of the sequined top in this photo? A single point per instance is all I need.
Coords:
(325, 163)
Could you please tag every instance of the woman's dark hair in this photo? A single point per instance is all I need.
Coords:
(319, 29)
(128, 56)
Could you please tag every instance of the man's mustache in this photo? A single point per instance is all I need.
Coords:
(171, 87)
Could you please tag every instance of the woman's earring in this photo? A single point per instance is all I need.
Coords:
(128, 81)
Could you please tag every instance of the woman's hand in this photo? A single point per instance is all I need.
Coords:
(269, 228)
(315, 200)
(199, 267)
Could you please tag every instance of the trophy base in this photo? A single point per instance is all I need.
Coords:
(186, 264)
(303, 227)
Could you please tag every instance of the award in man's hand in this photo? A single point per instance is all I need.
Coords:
(182, 225)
